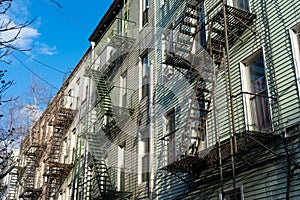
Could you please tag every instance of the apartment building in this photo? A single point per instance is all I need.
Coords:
(93, 140)
(9, 183)
(175, 99)
(231, 130)
(113, 158)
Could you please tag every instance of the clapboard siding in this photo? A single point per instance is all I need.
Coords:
(268, 181)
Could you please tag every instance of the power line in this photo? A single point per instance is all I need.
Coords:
(71, 18)
(34, 72)
(42, 63)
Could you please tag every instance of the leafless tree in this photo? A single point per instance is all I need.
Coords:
(11, 30)
(9, 34)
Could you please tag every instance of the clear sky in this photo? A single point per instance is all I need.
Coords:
(59, 37)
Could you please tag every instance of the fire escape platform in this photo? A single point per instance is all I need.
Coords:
(60, 168)
(118, 41)
(196, 164)
(237, 22)
(29, 193)
(178, 61)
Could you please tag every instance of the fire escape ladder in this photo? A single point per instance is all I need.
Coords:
(102, 186)
(193, 137)
(187, 55)
(28, 183)
(13, 183)
(56, 171)
(180, 52)
(187, 28)
(32, 153)
(103, 92)
(116, 116)
(238, 21)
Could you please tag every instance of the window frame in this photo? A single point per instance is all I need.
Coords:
(121, 167)
(144, 12)
(145, 75)
(170, 134)
(144, 152)
(295, 45)
(247, 92)
(123, 89)
(167, 45)
(234, 3)
(228, 190)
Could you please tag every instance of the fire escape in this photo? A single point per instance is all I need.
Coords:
(104, 124)
(56, 170)
(224, 26)
(32, 151)
(193, 61)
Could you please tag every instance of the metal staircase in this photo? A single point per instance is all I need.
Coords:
(224, 26)
(102, 186)
(32, 152)
(186, 55)
(115, 116)
(103, 92)
(105, 120)
(56, 171)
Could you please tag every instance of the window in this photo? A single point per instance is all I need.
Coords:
(85, 95)
(229, 194)
(125, 17)
(121, 167)
(170, 133)
(241, 4)
(295, 42)
(256, 99)
(86, 91)
(145, 8)
(145, 148)
(145, 76)
(123, 91)
(167, 47)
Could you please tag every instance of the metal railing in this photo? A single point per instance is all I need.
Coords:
(253, 112)
(114, 44)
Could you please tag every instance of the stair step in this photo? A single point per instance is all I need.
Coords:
(216, 51)
(189, 33)
(192, 15)
(199, 109)
(195, 7)
(200, 89)
(185, 42)
(203, 100)
(189, 24)
(183, 50)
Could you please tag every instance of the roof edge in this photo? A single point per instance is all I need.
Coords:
(106, 20)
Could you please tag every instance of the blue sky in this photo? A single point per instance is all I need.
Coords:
(59, 37)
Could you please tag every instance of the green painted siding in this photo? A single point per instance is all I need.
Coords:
(269, 180)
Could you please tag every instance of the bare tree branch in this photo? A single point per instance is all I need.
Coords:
(4, 6)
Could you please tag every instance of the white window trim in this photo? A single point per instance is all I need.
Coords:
(166, 143)
(142, 9)
(121, 164)
(164, 42)
(246, 87)
(141, 154)
(123, 88)
(230, 2)
(141, 74)
(228, 189)
(296, 53)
